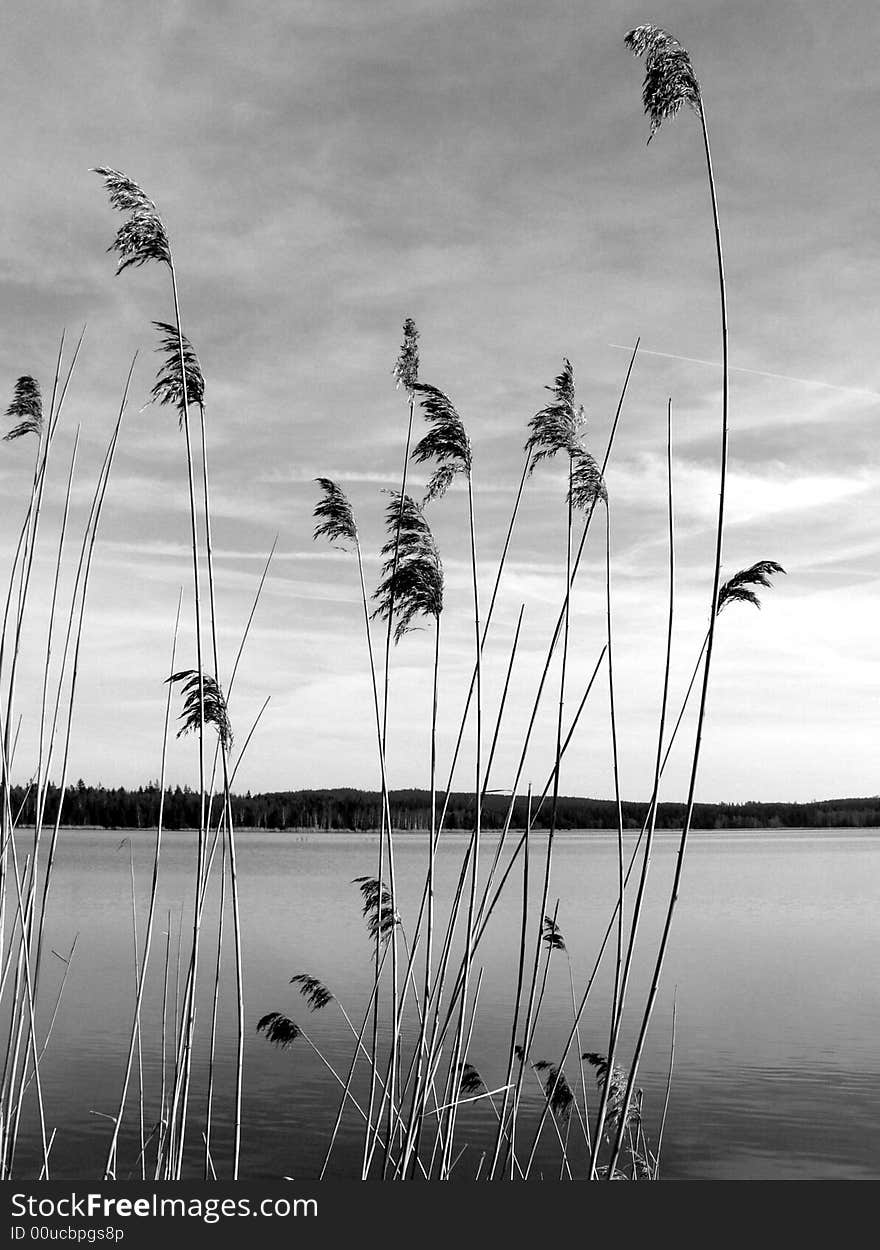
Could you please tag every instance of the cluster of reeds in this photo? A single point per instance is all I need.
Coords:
(27, 863)
(413, 1066)
(27, 858)
(417, 1087)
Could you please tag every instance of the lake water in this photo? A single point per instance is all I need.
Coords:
(773, 963)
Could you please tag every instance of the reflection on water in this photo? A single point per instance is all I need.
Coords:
(773, 963)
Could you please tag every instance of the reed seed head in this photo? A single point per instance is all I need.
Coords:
(587, 482)
(170, 379)
(558, 1092)
(406, 369)
(316, 995)
(552, 935)
(142, 236)
(617, 1082)
(26, 409)
(334, 514)
(670, 81)
(471, 1082)
(378, 907)
(446, 442)
(556, 428)
(738, 589)
(411, 583)
(279, 1030)
(215, 712)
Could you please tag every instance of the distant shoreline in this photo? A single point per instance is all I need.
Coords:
(346, 809)
(306, 831)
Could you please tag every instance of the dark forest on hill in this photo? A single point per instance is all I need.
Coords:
(410, 809)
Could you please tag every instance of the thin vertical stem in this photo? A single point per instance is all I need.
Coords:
(713, 615)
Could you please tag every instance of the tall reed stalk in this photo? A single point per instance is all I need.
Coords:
(670, 84)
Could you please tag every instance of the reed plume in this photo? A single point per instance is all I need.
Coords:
(738, 589)
(406, 368)
(412, 585)
(142, 236)
(171, 378)
(470, 1080)
(616, 1079)
(313, 991)
(203, 701)
(378, 907)
(334, 514)
(26, 408)
(558, 1091)
(280, 1030)
(670, 81)
(446, 442)
(587, 483)
(552, 935)
(556, 427)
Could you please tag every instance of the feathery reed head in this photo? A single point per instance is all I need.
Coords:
(334, 514)
(446, 442)
(617, 1081)
(170, 379)
(738, 589)
(279, 1029)
(552, 935)
(215, 712)
(471, 1082)
(406, 369)
(558, 1091)
(670, 81)
(556, 427)
(26, 408)
(378, 909)
(142, 236)
(411, 582)
(587, 482)
(315, 994)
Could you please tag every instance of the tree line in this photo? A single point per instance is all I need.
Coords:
(361, 810)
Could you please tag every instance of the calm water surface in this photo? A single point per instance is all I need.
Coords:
(773, 964)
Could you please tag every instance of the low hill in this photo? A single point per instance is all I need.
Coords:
(345, 808)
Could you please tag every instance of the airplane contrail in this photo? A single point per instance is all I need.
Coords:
(758, 373)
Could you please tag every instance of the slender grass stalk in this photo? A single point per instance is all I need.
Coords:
(215, 1002)
(458, 1051)
(139, 973)
(620, 997)
(666, 1096)
(90, 538)
(669, 84)
(336, 522)
(151, 912)
(439, 1032)
(163, 1078)
(417, 1065)
(406, 374)
(29, 1001)
(514, 1024)
(184, 363)
(617, 1000)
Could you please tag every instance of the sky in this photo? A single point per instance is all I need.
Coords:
(326, 169)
